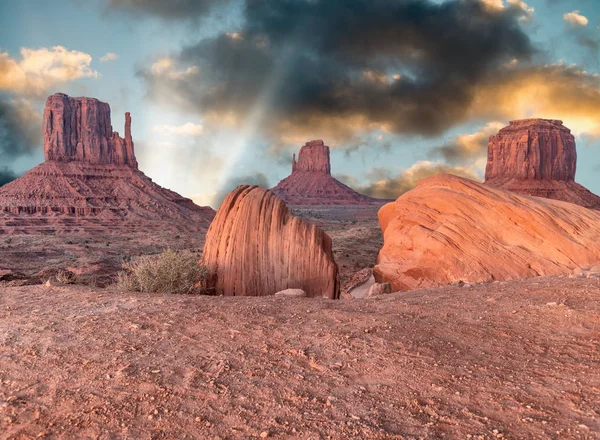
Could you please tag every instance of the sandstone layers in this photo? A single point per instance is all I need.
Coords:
(79, 129)
(311, 182)
(256, 247)
(449, 229)
(537, 157)
(90, 180)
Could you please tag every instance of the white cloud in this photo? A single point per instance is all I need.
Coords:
(166, 67)
(40, 69)
(187, 129)
(574, 18)
(110, 56)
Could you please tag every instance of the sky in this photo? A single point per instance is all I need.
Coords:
(222, 92)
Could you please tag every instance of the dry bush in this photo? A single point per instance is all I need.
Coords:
(168, 272)
(65, 277)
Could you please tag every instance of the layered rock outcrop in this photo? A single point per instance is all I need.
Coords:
(256, 247)
(311, 182)
(79, 129)
(90, 180)
(450, 229)
(537, 157)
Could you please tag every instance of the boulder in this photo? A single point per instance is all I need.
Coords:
(256, 247)
(378, 289)
(450, 229)
(537, 157)
(291, 293)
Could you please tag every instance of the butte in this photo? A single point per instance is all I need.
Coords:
(537, 157)
(311, 182)
(90, 180)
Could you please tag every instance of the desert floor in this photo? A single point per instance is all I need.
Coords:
(513, 360)
(502, 360)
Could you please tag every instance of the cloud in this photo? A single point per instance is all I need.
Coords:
(308, 69)
(387, 186)
(576, 19)
(252, 179)
(20, 128)
(555, 91)
(188, 129)
(7, 175)
(110, 56)
(468, 147)
(40, 69)
(167, 9)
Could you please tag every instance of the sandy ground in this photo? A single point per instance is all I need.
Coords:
(513, 360)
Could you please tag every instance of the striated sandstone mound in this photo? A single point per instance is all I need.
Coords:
(449, 229)
(311, 182)
(537, 157)
(90, 180)
(256, 247)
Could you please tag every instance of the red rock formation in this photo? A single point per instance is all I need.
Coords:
(91, 181)
(537, 157)
(256, 247)
(313, 158)
(449, 229)
(79, 129)
(311, 182)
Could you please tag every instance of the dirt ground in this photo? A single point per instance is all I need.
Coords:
(513, 360)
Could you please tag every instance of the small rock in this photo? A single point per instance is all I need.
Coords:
(264, 434)
(292, 293)
(379, 289)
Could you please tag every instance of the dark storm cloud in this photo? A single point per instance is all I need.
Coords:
(167, 9)
(20, 129)
(6, 175)
(254, 179)
(337, 66)
(385, 185)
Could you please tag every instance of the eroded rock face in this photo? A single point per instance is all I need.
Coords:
(532, 149)
(256, 247)
(311, 182)
(313, 158)
(537, 157)
(449, 229)
(79, 129)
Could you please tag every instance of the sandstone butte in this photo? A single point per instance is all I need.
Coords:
(450, 229)
(90, 180)
(311, 182)
(537, 157)
(256, 247)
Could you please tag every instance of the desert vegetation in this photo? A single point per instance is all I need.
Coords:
(168, 272)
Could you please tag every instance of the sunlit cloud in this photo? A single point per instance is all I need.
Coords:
(110, 56)
(576, 19)
(555, 91)
(519, 5)
(188, 129)
(40, 69)
(469, 147)
(166, 67)
(387, 185)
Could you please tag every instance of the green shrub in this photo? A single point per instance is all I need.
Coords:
(168, 272)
